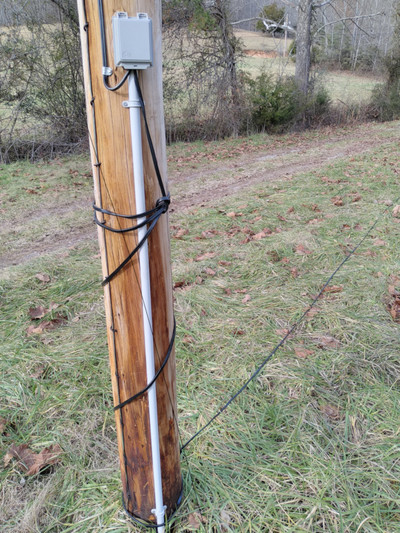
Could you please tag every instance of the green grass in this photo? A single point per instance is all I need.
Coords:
(311, 446)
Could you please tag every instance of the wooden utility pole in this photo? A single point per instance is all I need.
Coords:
(111, 153)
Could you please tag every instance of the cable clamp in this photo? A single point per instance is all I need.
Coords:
(131, 103)
(160, 515)
(107, 71)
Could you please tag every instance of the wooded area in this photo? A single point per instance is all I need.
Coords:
(41, 84)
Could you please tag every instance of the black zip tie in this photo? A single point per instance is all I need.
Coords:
(149, 385)
(162, 207)
(156, 215)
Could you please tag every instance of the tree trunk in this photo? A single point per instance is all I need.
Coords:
(303, 45)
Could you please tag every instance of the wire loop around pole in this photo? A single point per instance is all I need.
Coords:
(157, 375)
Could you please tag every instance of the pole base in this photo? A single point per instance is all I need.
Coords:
(145, 523)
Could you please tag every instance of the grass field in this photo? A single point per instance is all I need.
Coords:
(343, 86)
(311, 446)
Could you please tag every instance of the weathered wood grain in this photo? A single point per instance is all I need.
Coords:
(109, 130)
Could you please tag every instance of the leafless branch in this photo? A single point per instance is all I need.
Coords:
(352, 19)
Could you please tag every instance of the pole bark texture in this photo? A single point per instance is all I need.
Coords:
(111, 152)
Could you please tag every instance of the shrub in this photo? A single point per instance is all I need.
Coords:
(278, 105)
(41, 87)
(271, 12)
(385, 102)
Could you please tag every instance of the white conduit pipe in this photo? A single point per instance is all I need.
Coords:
(136, 137)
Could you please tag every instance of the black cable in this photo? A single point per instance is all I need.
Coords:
(103, 34)
(119, 85)
(292, 329)
(104, 53)
(155, 219)
(148, 135)
(149, 385)
(149, 217)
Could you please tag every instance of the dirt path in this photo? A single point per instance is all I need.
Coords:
(210, 185)
(210, 182)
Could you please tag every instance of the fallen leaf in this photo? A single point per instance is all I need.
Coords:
(180, 284)
(259, 236)
(337, 200)
(180, 233)
(379, 242)
(396, 211)
(274, 256)
(246, 299)
(32, 463)
(38, 372)
(210, 271)
(237, 332)
(302, 250)
(3, 424)
(36, 313)
(225, 521)
(282, 332)
(188, 339)
(228, 292)
(327, 341)
(59, 320)
(302, 352)
(333, 288)
(210, 233)
(312, 312)
(395, 310)
(331, 411)
(195, 520)
(232, 214)
(224, 263)
(355, 197)
(207, 255)
(290, 210)
(392, 290)
(294, 272)
(43, 277)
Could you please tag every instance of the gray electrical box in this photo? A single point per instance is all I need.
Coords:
(133, 41)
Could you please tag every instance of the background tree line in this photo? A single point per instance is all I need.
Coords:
(207, 95)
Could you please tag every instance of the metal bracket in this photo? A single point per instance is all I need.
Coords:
(107, 71)
(131, 103)
(160, 516)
